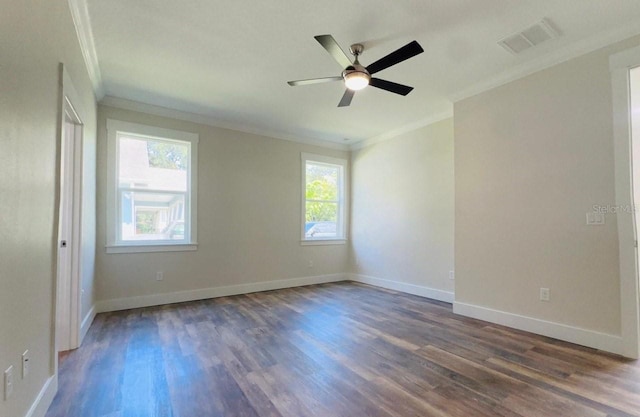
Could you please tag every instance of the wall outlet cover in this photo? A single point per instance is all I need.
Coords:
(544, 294)
(595, 219)
(8, 382)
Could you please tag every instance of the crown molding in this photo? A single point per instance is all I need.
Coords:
(82, 22)
(571, 51)
(207, 120)
(402, 130)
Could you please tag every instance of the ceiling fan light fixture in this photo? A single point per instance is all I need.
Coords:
(356, 80)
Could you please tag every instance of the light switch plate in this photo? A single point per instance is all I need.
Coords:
(25, 364)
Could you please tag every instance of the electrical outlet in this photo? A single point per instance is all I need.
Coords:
(159, 276)
(310, 264)
(544, 294)
(595, 219)
(8, 382)
(25, 364)
(452, 275)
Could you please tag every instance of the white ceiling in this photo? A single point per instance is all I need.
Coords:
(230, 60)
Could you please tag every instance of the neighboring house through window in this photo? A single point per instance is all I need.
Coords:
(152, 188)
(324, 199)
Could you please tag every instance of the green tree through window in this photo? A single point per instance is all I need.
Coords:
(167, 155)
(321, 193)
(323, 210)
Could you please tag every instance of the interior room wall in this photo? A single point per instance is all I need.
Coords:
(402, 205)
(532, 157)
(35, 36)
(249, 220)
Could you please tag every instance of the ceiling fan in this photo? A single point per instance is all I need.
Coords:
(355, 76)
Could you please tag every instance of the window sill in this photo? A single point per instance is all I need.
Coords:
(323, 242)
(180, 247)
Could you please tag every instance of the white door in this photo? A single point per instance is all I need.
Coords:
(68, 233)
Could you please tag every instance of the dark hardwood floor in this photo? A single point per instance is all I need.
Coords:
(332, 350)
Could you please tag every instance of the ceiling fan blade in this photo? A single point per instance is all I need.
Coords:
(403, 90)
(314, 81)
(410, 50)
(334, 49)
(346, 98)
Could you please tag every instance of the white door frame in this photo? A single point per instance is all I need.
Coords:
(71, 300)
(620, 64)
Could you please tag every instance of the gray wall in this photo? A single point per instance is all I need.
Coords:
(35, 36)
(249, 217)
(402, 205)
(532, 158)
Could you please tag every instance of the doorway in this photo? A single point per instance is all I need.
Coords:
(67, 326)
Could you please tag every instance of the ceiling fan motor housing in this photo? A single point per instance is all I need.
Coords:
(356, 76)
(355, 68)
(356, 49)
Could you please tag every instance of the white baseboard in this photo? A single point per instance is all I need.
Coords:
(204, 293)
(45, 397)
(434, 294)
(584, 337)
(86, 323)
(577, 335)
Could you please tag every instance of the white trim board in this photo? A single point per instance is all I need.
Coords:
(422, 291)
(121, 103)
(551, 59)
(212, 292)
(577, 335)
(84, 31)
(69, 106)
(619, 65)
(45, 398)
(86, 323)
(392, 134)
(584, 337)
(206, 120)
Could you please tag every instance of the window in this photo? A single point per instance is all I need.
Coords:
(152, 188)
(324, 202)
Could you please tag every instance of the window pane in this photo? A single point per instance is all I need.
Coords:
(321, 220)
(153, 164)
(152, 216)
(321, 229)
(322, 181)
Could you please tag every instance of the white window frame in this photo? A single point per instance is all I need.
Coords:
(343, 193)
(114, 242)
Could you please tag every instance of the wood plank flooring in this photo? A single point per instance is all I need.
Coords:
(332, 350)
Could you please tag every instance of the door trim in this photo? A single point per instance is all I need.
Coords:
(619, 65)
(69, 96)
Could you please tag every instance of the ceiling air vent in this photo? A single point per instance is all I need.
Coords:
(530, 37)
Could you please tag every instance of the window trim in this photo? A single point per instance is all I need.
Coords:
(343, 201)
(114, 244)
